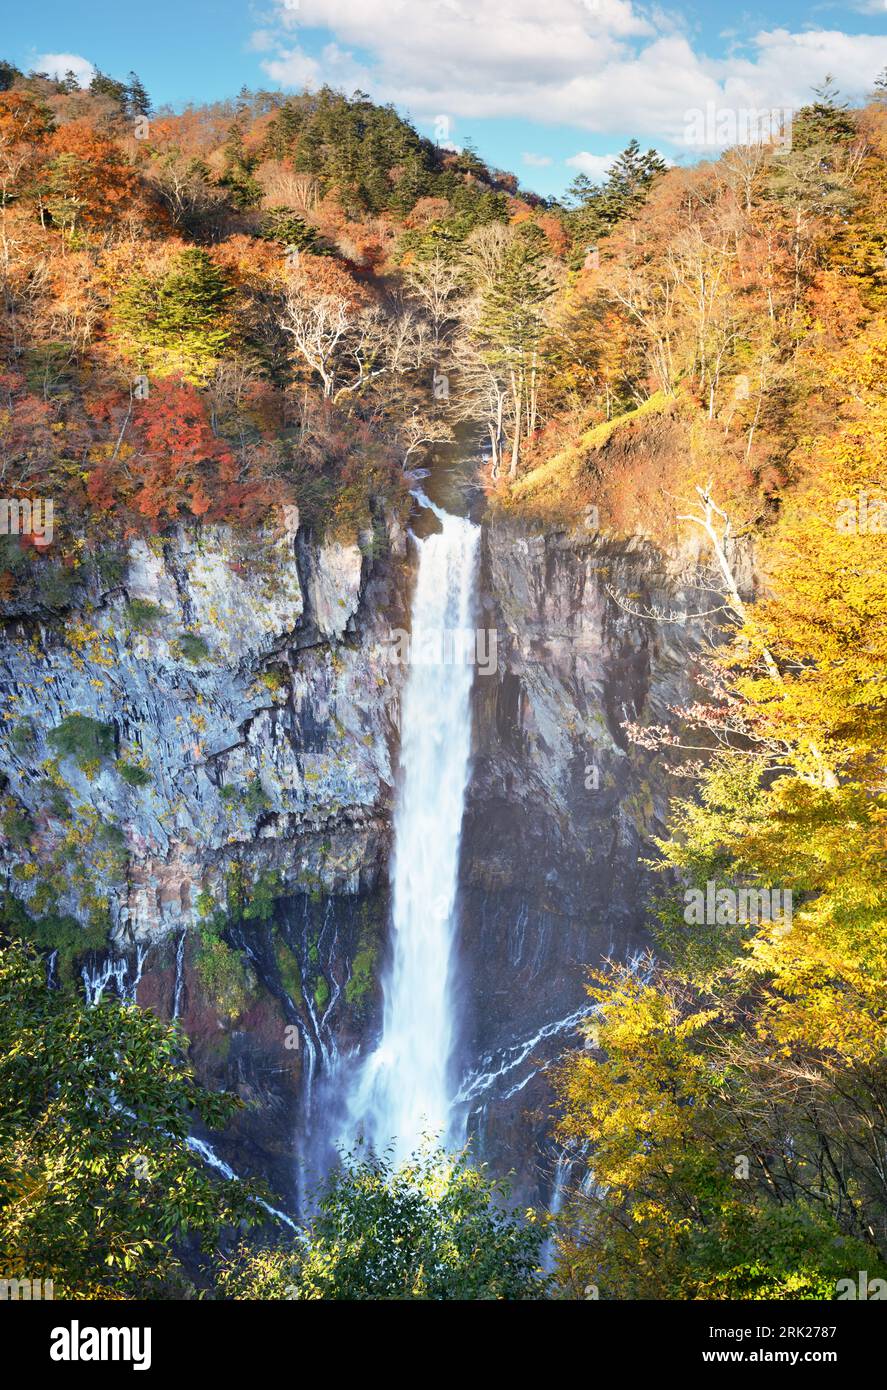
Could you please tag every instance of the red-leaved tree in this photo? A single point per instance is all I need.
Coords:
(174, 467)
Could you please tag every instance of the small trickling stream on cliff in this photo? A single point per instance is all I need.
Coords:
(404, 1088)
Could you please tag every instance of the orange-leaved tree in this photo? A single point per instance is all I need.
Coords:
(175, 467)
(88, 184)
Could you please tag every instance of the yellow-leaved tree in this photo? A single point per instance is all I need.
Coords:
(734, 1102)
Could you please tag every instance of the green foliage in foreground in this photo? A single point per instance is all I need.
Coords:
(434, 1228)
(98, 1188)
(96, 1180)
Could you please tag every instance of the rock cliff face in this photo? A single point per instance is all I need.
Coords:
(252, 686)
(257, 703)
(256, 689)
(592, 632)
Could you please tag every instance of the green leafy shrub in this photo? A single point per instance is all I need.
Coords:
(52, 932)
(56, 801)
(56, 585)
(134, 774)
(15, 560)
(434, 1228)
(259, 898)
(82, 738)
(222, 971)
(363, 966)
(288, 969)
(255, 798)
(21, 736)
(192, 647)
(142, 615)
(110, 566)
(18, 826)
(205, 903)
(275, 679)
(114, 851)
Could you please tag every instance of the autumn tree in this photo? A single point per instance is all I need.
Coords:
(696, 1190)
(87, 183)
(25, 125)
(343, 336)
(750, 1061)
(172, 466)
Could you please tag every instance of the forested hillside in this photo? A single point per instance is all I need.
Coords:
(278, 302)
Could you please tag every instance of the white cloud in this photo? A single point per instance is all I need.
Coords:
(293, 68)
(536, 161)
(596, 166)
(605, 65)
(58, 65)
(261, 41)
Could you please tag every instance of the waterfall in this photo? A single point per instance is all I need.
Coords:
(404, 1088)
(97, 974)
(180, 976)
(96, 977)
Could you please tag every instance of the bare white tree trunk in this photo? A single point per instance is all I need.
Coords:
(716, 525)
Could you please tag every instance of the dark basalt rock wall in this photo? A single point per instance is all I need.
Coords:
(561, 806)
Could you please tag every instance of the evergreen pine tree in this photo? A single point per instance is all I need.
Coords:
(287, 228)
(824, 122)
(511, 324)
(8, 74)
(104, 86)
(179, 322)
(598, 207)
(138, 100)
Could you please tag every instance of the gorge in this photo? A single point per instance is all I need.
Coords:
(413, 1012)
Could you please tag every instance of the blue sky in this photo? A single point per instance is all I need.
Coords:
(542, 87)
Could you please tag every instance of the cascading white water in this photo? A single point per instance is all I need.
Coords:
(403, 1089)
